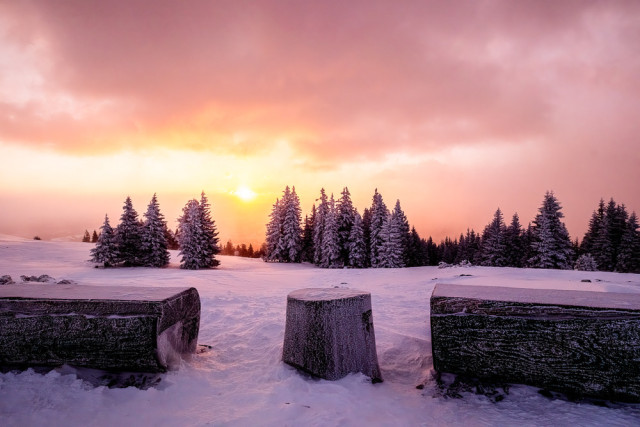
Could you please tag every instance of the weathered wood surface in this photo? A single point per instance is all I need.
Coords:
(329, 333)
(580, 343)
(110, 328)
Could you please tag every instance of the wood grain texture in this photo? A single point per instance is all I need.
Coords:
(329, 333)
(141, 334)
(583, 351)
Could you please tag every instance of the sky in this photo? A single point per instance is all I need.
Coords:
(454, 108)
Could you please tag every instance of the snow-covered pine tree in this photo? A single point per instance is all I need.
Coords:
(596, 223)
(379, 215)
(209, 236)
(514, 243)
(153, 245)
(282, 250)
(586, 262)
(357, 248)
(392, 252)
(494, 247)
(404, 230)
(628, 260)
(330, 247)
(106, 250)
(345, 217)
(318, 227)
(307, 236)
(551, 244)
(291, 230)
(189, 231)
(128, 235)
(274, 233)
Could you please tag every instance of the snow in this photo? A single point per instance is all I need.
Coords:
(242, 380)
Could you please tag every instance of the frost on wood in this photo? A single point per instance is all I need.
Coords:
(110, 328)
(329, 333)
(577, 342)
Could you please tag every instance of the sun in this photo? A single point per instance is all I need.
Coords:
(245, 193)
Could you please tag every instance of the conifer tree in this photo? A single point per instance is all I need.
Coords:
(392, 252)
(209, 235)
(494, 247)
(106, 250)
(153, 245)
(379, 214)
(189, 232)
(551, 243)
(128, 235)
(330, 238)
(366, 229)
(514, 243)
(357, 247)
(596, 223)
(274, 233)
(345, 218)
(291, 230)
(404, 231)
(318, 227)
(94, 237)
(307, 236)
(628, 260)
(87, 237)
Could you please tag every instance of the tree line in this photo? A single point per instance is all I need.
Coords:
(334, 235)
(146, 242)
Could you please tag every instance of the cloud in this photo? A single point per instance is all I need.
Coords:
(338, 81)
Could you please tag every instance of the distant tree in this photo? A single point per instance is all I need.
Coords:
(551, 244)
(128, 235)
(87, 237)
(379, 214)
(172, 240)
(250, 251)
(330, 246)
(36, 238)
(228, 248)
(357, 248)
(586, 262)
(94, 237)
(318, 227)
(153, 246)
(416, 250)
(106, 250)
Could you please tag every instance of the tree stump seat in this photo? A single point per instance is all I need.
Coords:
(329, 333)
(126, 329)
(581, 343)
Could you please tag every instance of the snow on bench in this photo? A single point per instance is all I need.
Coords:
(577, 342)
(111, 328)
(329, 333)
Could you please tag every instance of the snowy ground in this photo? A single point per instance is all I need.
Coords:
(242, 381)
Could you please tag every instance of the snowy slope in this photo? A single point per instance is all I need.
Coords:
(242, 380)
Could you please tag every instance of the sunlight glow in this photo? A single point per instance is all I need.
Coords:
(245, 193)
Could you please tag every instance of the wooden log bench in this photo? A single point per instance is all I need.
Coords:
(584, 344)
(134, 329)
(329, 333)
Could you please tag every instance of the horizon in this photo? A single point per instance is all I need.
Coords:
(454, 109)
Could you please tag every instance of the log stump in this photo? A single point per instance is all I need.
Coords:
(329, 333)
(577, 342)
(132, 329)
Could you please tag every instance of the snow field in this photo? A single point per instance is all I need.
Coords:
(242, 380)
